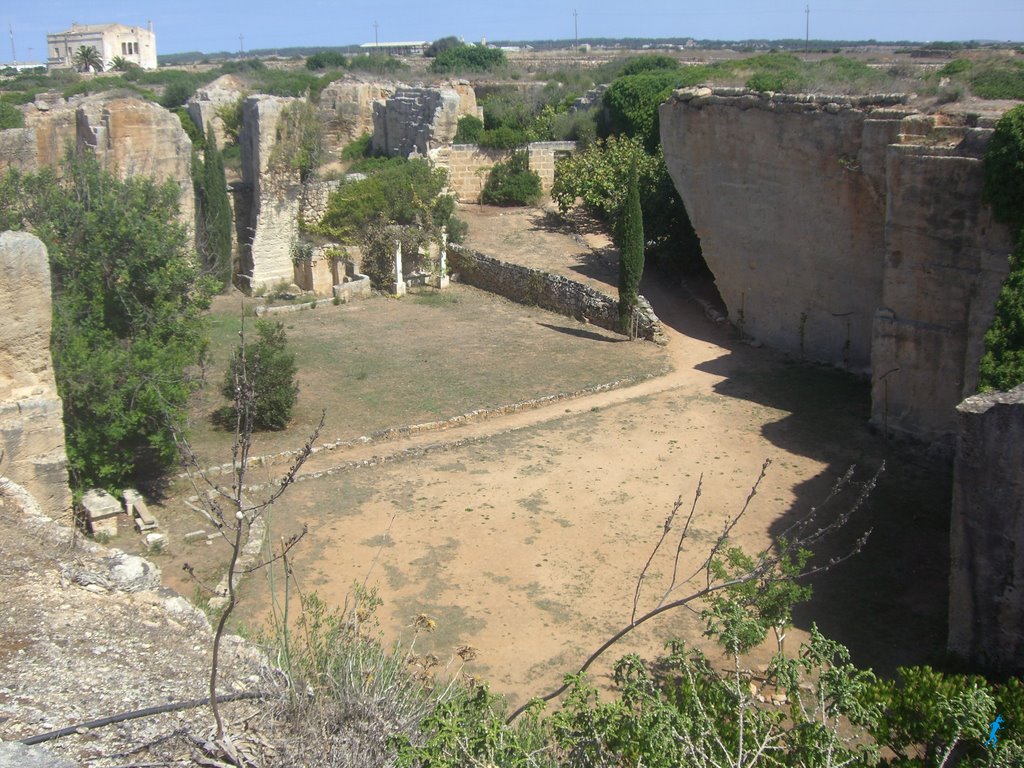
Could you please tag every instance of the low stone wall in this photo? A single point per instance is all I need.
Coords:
(986, 609)
(469, 164)
(547, 291)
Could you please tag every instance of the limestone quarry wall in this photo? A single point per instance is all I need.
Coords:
(129, 136)
(208, 100)
(986, 609)
(849, 231)
(274, 202)
(346, 108)
(31, 413)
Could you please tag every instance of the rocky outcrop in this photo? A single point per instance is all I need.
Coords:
(986, 601)
(416, 120)
(848, 230)
(31, 413)
(204, 105)
(270, 229)
(346, 109)
(131, 137)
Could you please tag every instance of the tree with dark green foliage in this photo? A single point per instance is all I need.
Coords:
(468, 58)
(265, 371)
(1002, 366)
(438, 47)
(469, 131)
(631, 252)
(511, 182)
(213, 212)
(650, 63)
(326, 60)
(127, 303)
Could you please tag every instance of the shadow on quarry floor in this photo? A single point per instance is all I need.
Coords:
(888, 603)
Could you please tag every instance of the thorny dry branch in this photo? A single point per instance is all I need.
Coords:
(798, 536)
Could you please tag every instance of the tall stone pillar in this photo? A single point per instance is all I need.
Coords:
(443, 281)
(399, 280)
(986, 582)
(31, 413)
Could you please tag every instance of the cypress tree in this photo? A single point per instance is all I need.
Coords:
(631, 257)
(215, 213)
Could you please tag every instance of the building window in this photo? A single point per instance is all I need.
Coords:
(124, 49)
(56, 53)
(136, 48)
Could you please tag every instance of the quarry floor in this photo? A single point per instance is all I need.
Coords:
(522, 535)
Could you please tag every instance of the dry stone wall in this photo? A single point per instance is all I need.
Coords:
(31, 413)
(846, 230)
(469, 164)
(552, 292)
(986, 600)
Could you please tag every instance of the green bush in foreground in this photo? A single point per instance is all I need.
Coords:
(511, 182)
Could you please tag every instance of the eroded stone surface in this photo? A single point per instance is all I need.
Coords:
(986, 601)
(205, 103)
(848, 230)
(31, 413)
(416, 120)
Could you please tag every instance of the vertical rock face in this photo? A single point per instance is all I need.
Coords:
(346, 107)
(206, 101)
(31, 413)
(265, 242)
(130, 137)
(849, 231)
(415, 120)
(986, 604)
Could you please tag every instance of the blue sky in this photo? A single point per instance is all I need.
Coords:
(214, 25)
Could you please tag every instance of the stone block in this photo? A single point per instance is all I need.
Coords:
(100, 511)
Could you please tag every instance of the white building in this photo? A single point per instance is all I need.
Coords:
(135, 44)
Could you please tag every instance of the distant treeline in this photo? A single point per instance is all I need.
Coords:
(754, 44)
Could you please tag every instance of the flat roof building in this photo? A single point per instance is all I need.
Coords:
(134, 44)
(414, 48)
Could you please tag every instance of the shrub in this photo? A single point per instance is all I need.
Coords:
(512, 183)
(954, 68)
(438, 47)
(127, 314)
(998, 79)
(358, 149)
(10, 116)
(176, 94)
(326, 60)
(632, 105)
(468, 58)
(376, 64)
(580, 127)
(190, 127)
(469, 130)
(300, 140)
(650, 63)
(1002, 366)
(503, 137)
(268, 387)
(231, 115)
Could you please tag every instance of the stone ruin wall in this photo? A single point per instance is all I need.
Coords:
(346, 108)
(849, 231)
(986, 584)
(31, 412)
(412, 121)
(207, 100)
(469, 164)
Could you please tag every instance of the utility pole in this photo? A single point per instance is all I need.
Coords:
(575, 30)
(807, 31)
(14, 53)
(376, 41)
(241, 45)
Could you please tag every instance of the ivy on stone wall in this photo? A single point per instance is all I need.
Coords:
(1002, 366)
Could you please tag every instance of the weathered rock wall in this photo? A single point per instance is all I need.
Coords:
(846, 230)
(986, 602)
(274, 198)
(416, 120)
(129, 136)
(552, 292)
(208, 100)
(31, 413)
(346, 108)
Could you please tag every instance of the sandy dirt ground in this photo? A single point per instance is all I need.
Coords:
(522, 536)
